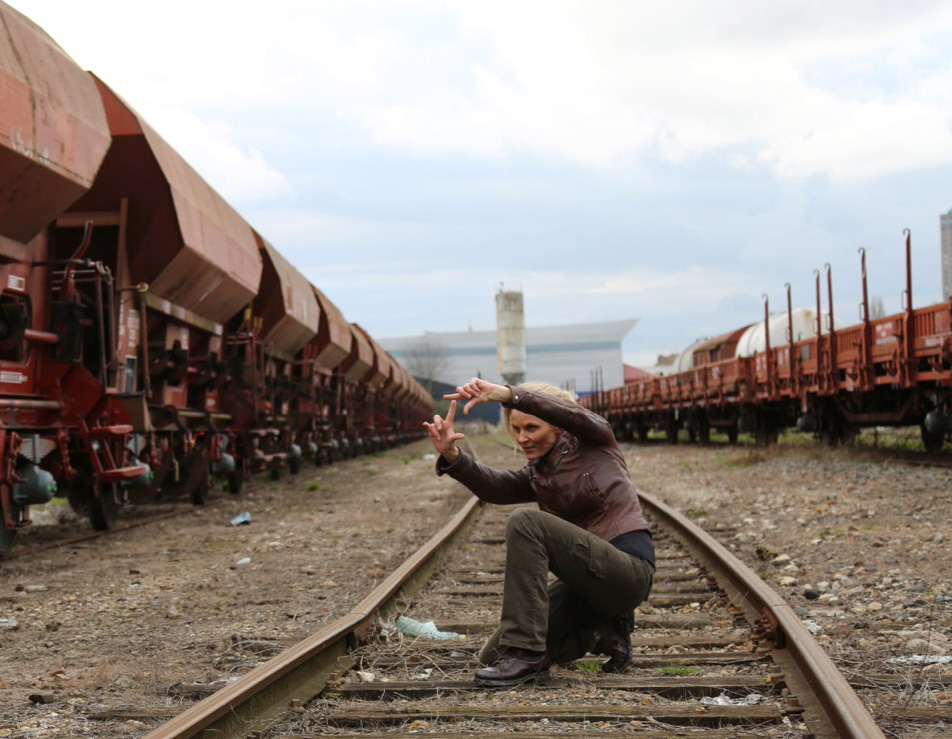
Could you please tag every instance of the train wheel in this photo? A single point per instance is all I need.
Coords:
(102, 506)
(672, 431)
(235, 480)
(294, 465)
(9, 536)
(274, 471)
(732, 434)
(932, 441)
(76, 499)
(704, 431)
(200, 492)
(7, 539)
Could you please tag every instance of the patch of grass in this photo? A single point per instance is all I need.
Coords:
(588, 665)
(695, 512)
(677, 670)
(314, 485)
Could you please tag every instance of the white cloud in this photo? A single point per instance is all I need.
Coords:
(845, 90)
(241, 176)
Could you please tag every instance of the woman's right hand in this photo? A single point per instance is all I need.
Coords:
(443, 436)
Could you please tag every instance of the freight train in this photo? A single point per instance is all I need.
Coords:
(802, 369)
(150, 339)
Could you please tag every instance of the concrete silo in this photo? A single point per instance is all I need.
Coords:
(511, 336)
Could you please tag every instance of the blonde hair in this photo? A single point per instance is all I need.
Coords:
(536, 387)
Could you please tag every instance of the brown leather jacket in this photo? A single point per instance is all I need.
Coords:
(583, 479)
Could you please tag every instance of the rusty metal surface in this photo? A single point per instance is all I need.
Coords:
(378, 376)
(807, 666)
(333, 340)
(361, 357)
(399, 380)
(285, 301)
(185, 240)
(53, 130)
(263, 693)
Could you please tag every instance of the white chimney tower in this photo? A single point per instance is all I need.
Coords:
(511, 336)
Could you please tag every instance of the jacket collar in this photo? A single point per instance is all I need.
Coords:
(559, 447)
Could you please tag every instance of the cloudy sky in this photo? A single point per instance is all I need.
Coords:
(671, 162)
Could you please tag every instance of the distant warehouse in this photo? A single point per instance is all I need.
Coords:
(566, 356)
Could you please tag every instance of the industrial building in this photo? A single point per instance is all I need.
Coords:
(568, 356)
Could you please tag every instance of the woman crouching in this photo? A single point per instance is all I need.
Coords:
(589, 531)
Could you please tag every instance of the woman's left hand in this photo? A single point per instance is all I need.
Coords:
(443, 436)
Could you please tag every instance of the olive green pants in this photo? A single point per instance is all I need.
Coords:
(596, 582)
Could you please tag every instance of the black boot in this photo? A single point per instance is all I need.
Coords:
(515, 667)
(614, 640)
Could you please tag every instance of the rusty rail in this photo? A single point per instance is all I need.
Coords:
(820, 686)
(301, 672)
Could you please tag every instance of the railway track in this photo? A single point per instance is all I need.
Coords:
(717, 654)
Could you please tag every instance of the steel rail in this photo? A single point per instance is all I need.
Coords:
(816, 681)
(301, 672)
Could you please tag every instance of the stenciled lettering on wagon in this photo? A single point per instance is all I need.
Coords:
(932, 341)
(886, 334)
(19, 417)
(15, 282)
(129, 327)
(12, 378)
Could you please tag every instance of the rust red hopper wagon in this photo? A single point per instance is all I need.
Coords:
(149, 337)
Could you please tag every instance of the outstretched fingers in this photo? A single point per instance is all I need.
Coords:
(473, 392)
(441, 430)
